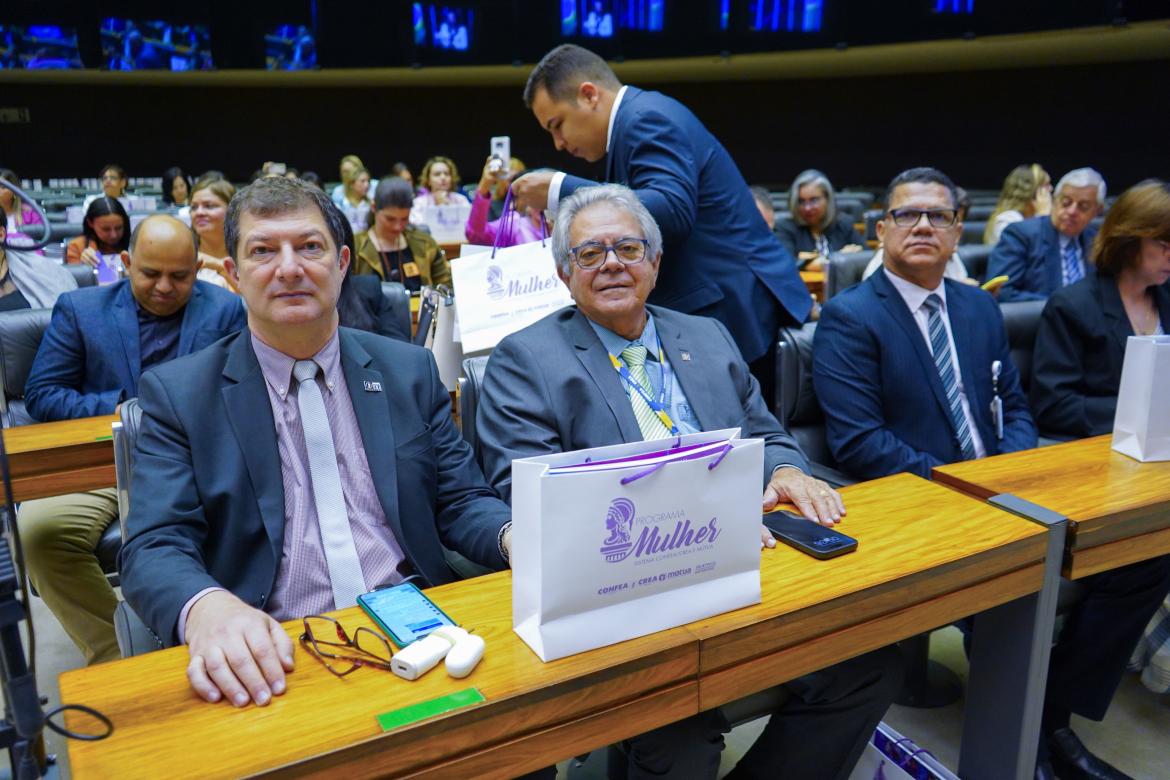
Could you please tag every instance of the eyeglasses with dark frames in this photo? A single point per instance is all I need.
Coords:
(936, 218)
(591, 254)
(326, 640)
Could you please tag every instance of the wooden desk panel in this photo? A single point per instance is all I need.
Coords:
(815, 282)
(948, 559)
(70, 456)
(326, 725)
(1109, 498)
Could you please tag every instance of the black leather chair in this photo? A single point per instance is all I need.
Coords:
(1021, 319)
(134, 638)
(63, 231)
(20, 337)
(469, 385)
(796, 405)
(872, 217)
(398, 304)
(973, 232)
(980, 211)
(845, 270)
(84, 275)
(975, 258)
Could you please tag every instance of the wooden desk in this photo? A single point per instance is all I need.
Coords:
(923, 561)
(1118, 508)
(815, 282)
(325, 726)
(928, 555)
(51, 459)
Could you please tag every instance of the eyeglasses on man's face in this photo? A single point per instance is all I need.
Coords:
(592, 254)
(936, 218)
(327, 640)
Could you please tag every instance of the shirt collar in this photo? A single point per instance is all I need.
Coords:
(277, 367)
(912, 294)
(615, 344)
(617, 101)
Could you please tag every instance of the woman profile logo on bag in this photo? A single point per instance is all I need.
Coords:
(619, 521)
(495, 282)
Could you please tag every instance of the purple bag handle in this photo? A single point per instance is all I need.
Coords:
(726, 448)
(506, 220)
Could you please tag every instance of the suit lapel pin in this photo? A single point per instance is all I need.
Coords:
(685, 355)
(372, 387)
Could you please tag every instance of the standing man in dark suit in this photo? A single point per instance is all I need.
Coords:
(554, 387)
(303, 463)
(1042, 254)
(904, 366)
(98, 343)
(721, 260)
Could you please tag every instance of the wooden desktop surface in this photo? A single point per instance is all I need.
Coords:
(927, 555)
(815, 282)
(1119, 508)
(70, 456)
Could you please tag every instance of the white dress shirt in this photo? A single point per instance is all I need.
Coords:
(554, 187)
(915, 296)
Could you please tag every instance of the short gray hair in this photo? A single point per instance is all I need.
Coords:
(803, 179)
(616, 195)
(1083, 177)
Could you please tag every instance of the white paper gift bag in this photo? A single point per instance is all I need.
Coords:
(610, 551)
(499, 292)
(1141, 426)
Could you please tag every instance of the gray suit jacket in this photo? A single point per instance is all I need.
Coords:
(551, 388)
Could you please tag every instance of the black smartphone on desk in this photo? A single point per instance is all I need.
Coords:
(807, 536)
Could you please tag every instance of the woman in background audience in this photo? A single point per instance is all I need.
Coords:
(106, 231)
(521, 228)
(393, 249)
(360, 302)
(209, 201)
(348, 169)
(814, 231)
(1027, 192)
(402, 171)
(440, 187)
(175, 187)
(29, 280)
(356, 204)
(18, 214)
(114, 182)
(1080, 343)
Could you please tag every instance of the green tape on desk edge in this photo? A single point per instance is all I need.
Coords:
(104, 438)
(429, 709)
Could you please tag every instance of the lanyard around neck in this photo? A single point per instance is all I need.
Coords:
(658, 406)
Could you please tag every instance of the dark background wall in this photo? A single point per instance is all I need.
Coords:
(975, 125)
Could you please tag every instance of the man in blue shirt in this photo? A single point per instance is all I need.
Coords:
(98, 343)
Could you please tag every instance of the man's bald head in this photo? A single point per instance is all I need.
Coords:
(162, 228)
(161, 264)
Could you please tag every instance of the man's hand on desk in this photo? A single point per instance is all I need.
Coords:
(236, 651)
(531, 190)
(814, 498)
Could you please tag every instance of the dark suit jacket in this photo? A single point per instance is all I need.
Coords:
(876, 381)
(798, 238)
(90, 358)
(719, 257)
(551, 388)
(208, 505)
(1029, 253)
(1080, 347)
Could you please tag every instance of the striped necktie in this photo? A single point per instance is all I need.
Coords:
(941, 347)
(341, 557)
(634, 356)
(1072, 262)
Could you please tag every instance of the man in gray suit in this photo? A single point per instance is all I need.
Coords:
(613, 370)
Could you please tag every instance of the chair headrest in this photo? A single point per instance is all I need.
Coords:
(845, 270)
(1021, 319)
(21, 332)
